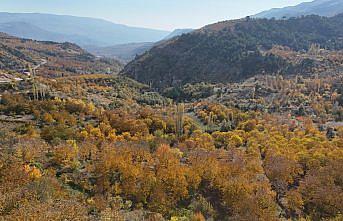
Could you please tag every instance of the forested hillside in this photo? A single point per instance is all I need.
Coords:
(235, 50)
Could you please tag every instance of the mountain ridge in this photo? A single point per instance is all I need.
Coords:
(29, 31)
(327, 8)
(91, 30)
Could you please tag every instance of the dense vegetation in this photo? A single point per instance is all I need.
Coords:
(235, 50)
(75, 161)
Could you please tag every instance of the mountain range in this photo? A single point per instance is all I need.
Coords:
(123, 52)
(106, 39)
(318, 7)
(100, 37)
(80, 30)
(127, 52)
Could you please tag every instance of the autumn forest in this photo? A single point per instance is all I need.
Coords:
(82, 139)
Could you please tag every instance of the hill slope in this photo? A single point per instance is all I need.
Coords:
(318, 7)
(59, 58)
(79, 30)
(234, 50)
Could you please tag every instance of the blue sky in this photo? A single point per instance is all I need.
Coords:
(158, 14)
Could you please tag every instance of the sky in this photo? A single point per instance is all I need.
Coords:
(157, 14)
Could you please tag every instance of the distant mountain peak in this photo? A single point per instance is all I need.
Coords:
(127, 52)
(327, 8)
(178, 32)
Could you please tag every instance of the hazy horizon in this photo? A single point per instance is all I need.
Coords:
(155, 14)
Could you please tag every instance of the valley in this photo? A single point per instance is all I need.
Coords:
(239, 120)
